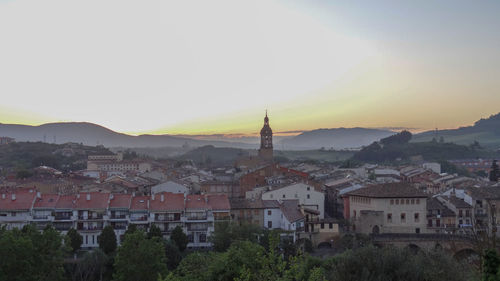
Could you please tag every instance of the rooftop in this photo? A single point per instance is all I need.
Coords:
(388, 190)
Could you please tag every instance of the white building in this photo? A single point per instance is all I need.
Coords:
(169, 186)
(306, 194)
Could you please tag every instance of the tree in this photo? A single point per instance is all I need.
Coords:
(180, 238)
(74, 240)
(494, 171)
(154, 231)
(491, 262)
(91, 267)
(173, 254)
(139, 258)
(130, 229)
(107, 240)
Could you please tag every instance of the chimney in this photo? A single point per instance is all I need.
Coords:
(162, 198)
(13, 196)
(88, 196)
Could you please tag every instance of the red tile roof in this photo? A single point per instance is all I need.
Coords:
(219, 202)
(121, 201)
(171, 202)
(139, 203)
(46, 201)
(196, 202)
(17, 200)
(92, 200)
(66, 202)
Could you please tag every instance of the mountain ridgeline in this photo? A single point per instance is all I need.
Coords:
(484, 131)
(399, 148)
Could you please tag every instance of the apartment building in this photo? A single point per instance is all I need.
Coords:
(90, 212)
(306, 194)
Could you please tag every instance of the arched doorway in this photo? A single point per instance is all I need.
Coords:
(376, 230)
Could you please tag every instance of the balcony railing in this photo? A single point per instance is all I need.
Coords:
(118, 217)
(63, 217)
(167, 218)
(90, 228)
(93, 217)
(42, 217)
(142, 218)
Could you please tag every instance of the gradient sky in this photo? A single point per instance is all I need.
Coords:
(196, 67)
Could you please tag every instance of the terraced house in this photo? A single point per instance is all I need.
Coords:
(90, 212)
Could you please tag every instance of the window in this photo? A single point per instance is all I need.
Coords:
(460, 213)
(389, 217)
(403, 217)
(460, 222)
(256, 212)
(203, 238)
(438, 222)
(269, 212)
(429, 223)
(269, 224)
(392, 201)
(397, 201)
(308, 196)
(354, 214)
(190, 238)
(412, 201)
(330, 225)
(308, 188)
(407, 201)
(322, 225)
(402, 201)
(283, 195)
(467, 213)
(418, 201)
(417, 218)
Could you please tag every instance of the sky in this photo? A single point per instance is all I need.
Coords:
(214, 67)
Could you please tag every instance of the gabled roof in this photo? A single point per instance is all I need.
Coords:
(171, 202)
(291, 210)
(46, 201)
(66, 202)
(92, 200)
(120, 201)
(434, 204)
(194, 201)
(388, 190)
(21, 199)
(139, 203)
(219, 202)
(242, 203)
(458, 203)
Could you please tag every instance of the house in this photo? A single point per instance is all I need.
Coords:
(43, 209)
(139, 212)
(165, 211)
(440, 218)
(118, 213)
(171, 187)
(91, 211)
(386, 208)
(15, 208)
(306, 194)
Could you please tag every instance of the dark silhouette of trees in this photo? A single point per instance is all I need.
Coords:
(494, 171)
(107, 240)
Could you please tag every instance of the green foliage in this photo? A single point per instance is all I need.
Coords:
(74, 239)
(23, 174)
(400, 138)
(92, 266)
(31, 255)
(179, 238)
(130, 229)
(430, 151)
(154, 231)
(491, 263)
(226, 233)
(173, 254)
(107, 240)
(140, 258)
(447, 167)
(370, 263)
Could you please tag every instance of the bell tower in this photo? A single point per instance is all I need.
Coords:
(266, 141)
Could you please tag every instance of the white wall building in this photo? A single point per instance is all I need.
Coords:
(306, 194)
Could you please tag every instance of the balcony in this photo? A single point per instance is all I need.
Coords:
(63, 217)
(480, 215)
(139, 219)
(118, 217)
(167, 218)
(92, 217)
(15, 218)
(43, 218)
(90, 228)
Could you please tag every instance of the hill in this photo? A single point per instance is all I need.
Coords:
(485, 131)
(92, 134)
(27, 155)
(338, 138)
(399, 148)
(216, 156)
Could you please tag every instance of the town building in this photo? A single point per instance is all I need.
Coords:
(306, 194)
(386, 208)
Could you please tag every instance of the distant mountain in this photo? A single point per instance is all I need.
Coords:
(339, 138)
(485, 131)
(92, 134)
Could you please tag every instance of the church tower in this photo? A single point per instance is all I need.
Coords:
(266, 141)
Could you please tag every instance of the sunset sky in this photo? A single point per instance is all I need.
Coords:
(203, 67)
